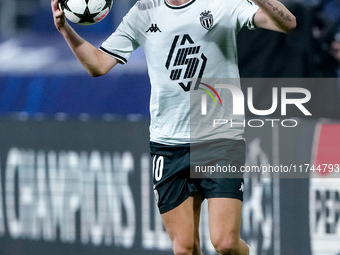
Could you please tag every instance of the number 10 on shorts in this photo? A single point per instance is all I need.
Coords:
(157, 167)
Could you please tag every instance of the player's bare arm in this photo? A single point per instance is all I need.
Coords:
(95, 61)
(274, 15)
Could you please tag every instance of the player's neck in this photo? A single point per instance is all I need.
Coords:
(177, 2)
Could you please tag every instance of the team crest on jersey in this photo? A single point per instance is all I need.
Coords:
(207, 20)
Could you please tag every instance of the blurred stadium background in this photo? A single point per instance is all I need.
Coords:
(75, 170)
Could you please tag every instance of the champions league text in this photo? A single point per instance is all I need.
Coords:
(78, 197)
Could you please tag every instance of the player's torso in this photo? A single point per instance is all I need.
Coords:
(189, 41)
(196, 40)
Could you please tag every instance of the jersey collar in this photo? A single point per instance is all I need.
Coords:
(179, 7)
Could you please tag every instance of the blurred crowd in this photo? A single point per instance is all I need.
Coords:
(311, 50)
(326, 30)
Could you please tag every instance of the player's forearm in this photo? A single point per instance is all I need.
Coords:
(85, 52)
(280, 16)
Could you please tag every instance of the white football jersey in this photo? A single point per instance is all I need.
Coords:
(182, 43)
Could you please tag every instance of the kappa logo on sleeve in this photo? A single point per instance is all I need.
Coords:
(241, 188)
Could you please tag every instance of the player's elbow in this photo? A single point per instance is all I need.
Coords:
(291, 25)
(96, 72)
(101, 66)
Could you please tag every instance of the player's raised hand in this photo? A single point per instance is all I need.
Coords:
(58, 15)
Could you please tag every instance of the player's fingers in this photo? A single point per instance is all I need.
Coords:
(56, 10)
(55, 5)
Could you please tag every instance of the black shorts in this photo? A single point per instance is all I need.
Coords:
(171, 172)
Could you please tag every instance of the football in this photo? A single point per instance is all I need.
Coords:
(85, 12)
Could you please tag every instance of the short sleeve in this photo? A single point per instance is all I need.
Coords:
(123, 41)
(243, 14)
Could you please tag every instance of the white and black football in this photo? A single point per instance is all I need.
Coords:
(85, 12)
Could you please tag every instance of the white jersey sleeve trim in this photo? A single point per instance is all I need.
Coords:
(120, 59)
(251, 24)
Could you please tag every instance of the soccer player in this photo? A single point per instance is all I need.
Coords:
(185, 39)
